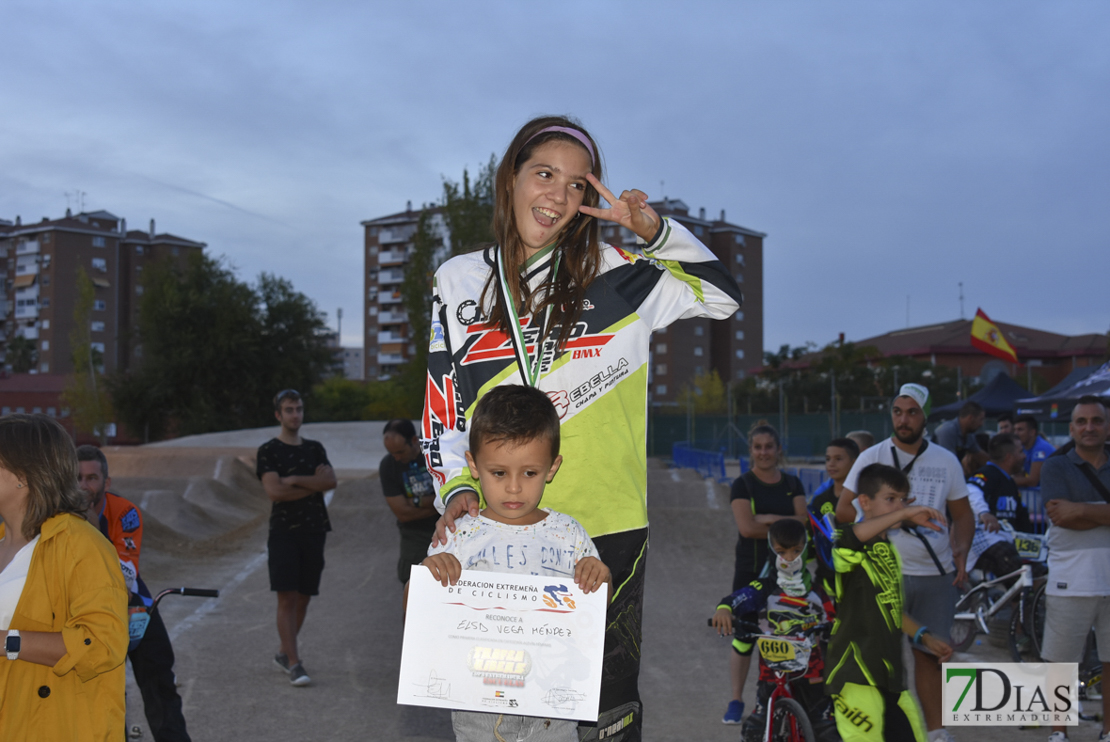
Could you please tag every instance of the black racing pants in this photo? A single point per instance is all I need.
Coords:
(152, 663)
(621, 717)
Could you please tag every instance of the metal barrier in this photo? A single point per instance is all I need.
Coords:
(1031, 496)
(710, 464)
(811, 478)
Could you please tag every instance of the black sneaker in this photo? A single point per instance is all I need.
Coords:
(282, 661)
(297, 675)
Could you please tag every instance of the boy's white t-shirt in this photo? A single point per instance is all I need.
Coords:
(551, 547)
(936, 478)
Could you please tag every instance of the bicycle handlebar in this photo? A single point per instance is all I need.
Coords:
(750, 630)
(196, 592)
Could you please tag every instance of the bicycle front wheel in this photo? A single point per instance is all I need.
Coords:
(1022, 646)
(964, 630)
(789, 722)
(1035, 619)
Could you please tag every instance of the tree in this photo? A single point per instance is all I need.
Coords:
(707, 394)
(22, 354)
(85, 392)
(294, 342)
(216, 350)
(468, 210)
(468, 214)
(416, 295)
(859, 377)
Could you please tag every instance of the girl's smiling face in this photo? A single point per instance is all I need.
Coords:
(547, 191)
(764, 452)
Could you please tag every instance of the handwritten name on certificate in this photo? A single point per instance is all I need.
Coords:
(499, 643)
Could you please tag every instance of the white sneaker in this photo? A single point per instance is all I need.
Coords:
(1058, 737)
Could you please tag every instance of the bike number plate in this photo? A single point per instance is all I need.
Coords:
(775, 650)
(1028, 548)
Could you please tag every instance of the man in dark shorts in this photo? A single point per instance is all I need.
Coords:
(295, 472)
(409, 492)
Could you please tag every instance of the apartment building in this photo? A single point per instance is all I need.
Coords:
(731, 347)
(40, 269)
(690, 347)
(388, 245)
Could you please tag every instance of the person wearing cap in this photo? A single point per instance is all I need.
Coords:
(295, 472)
(933, 564)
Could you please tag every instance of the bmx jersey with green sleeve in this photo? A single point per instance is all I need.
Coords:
(598, 381)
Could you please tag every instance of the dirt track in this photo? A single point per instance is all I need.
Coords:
(351, 639)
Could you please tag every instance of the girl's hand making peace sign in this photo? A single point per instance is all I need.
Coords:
(631, 210)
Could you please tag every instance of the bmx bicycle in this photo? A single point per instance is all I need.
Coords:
(787, 659)
(982, 602)
(978, 605)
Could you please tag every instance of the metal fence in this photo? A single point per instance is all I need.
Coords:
(710, 464)
(804, 436)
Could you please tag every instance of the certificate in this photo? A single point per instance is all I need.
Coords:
(500, 643)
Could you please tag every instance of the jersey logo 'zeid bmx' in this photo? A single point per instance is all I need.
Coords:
(487, 343)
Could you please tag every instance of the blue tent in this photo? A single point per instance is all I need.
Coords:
(1056, 403)
(996, 397)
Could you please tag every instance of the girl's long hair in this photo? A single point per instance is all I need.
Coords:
(581, 253)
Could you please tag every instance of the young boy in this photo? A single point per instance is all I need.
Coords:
(865, 674)
(514, 452)
(793, 605)
(840, 454)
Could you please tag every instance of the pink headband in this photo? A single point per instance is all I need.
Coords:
(572, 132)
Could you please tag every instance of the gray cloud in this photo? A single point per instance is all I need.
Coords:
(888, 149)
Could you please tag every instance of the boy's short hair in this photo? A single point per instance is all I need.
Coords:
(1002, 445)
(1006, 417)
(1028, 420)
(876, 476)
(291, 394)
(787, 533)
(847, 444)
(514, 414)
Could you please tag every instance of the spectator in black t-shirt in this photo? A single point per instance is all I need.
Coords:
(295, 473)
(759, 498)
(409, 492)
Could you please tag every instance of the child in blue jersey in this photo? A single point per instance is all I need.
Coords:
(514, 452)
(840, 454)
(792, 604)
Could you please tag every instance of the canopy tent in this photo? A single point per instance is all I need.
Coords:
(1069, 381)
(1056, 403)
(996, 397)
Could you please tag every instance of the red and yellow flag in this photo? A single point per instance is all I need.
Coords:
(986, 336)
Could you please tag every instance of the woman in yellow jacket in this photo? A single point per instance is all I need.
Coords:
(63, 603)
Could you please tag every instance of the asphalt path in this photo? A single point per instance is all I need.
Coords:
(351, 640)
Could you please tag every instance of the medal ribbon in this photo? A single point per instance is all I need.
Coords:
(529, 368)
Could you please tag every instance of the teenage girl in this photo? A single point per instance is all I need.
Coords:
(552, 307)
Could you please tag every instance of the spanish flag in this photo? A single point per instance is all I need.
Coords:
(986, 336)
